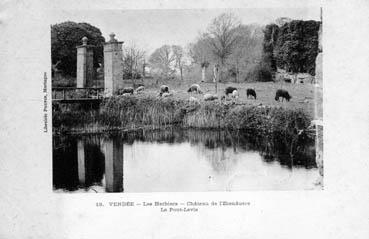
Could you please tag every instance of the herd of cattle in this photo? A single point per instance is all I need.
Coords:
(229, 93)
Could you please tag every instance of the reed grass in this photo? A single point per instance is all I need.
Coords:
(151, 112)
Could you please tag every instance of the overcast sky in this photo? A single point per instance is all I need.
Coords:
(150, 29)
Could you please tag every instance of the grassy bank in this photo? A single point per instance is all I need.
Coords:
(304, 96)
(153, 113)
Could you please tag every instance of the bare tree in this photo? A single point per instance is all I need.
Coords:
(178, 54)
(132, 57)
(163, 60)
(223, 38)
(143, 68)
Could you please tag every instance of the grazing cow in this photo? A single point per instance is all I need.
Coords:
(282, 93)
(166, 94)
(235, 94)
(194, 100)
(164, 88)
(225, 98)
(229, 90)
(128, 90)
(140, 89)
(210, 97)
(195, 88)
(251, 92)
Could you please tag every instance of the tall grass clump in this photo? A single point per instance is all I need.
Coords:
(132, 112)
(65, 117)
(207, 115)
(266, 119)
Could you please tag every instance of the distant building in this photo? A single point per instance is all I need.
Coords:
(304, 78)
(295, 78)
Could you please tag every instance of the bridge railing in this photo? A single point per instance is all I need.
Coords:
(67, 93)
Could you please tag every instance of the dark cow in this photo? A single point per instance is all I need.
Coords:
(229, 90)
(251, 92)
(127, 90)
(282, 93)
(194, 88)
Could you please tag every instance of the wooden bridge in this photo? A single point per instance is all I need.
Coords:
(77, 94)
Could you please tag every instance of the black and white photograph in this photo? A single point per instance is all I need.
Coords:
(184, 119)
(187, 100)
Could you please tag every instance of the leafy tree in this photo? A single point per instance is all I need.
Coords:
(297, 46)
(64, 39)
(270, 41)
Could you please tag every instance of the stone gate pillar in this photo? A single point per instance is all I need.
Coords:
(85, 64)
(113, 65)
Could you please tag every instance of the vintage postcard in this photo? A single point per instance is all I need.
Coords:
(195, 119)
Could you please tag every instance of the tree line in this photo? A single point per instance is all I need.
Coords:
(226, 49)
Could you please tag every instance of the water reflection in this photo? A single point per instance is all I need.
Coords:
(113, 150)
(87, 162)
(181, 160)
(300, 152)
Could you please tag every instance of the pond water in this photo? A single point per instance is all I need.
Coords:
(177, 160)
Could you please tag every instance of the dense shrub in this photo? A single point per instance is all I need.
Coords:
(260, 72)
(137, 112)
(129, 75)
